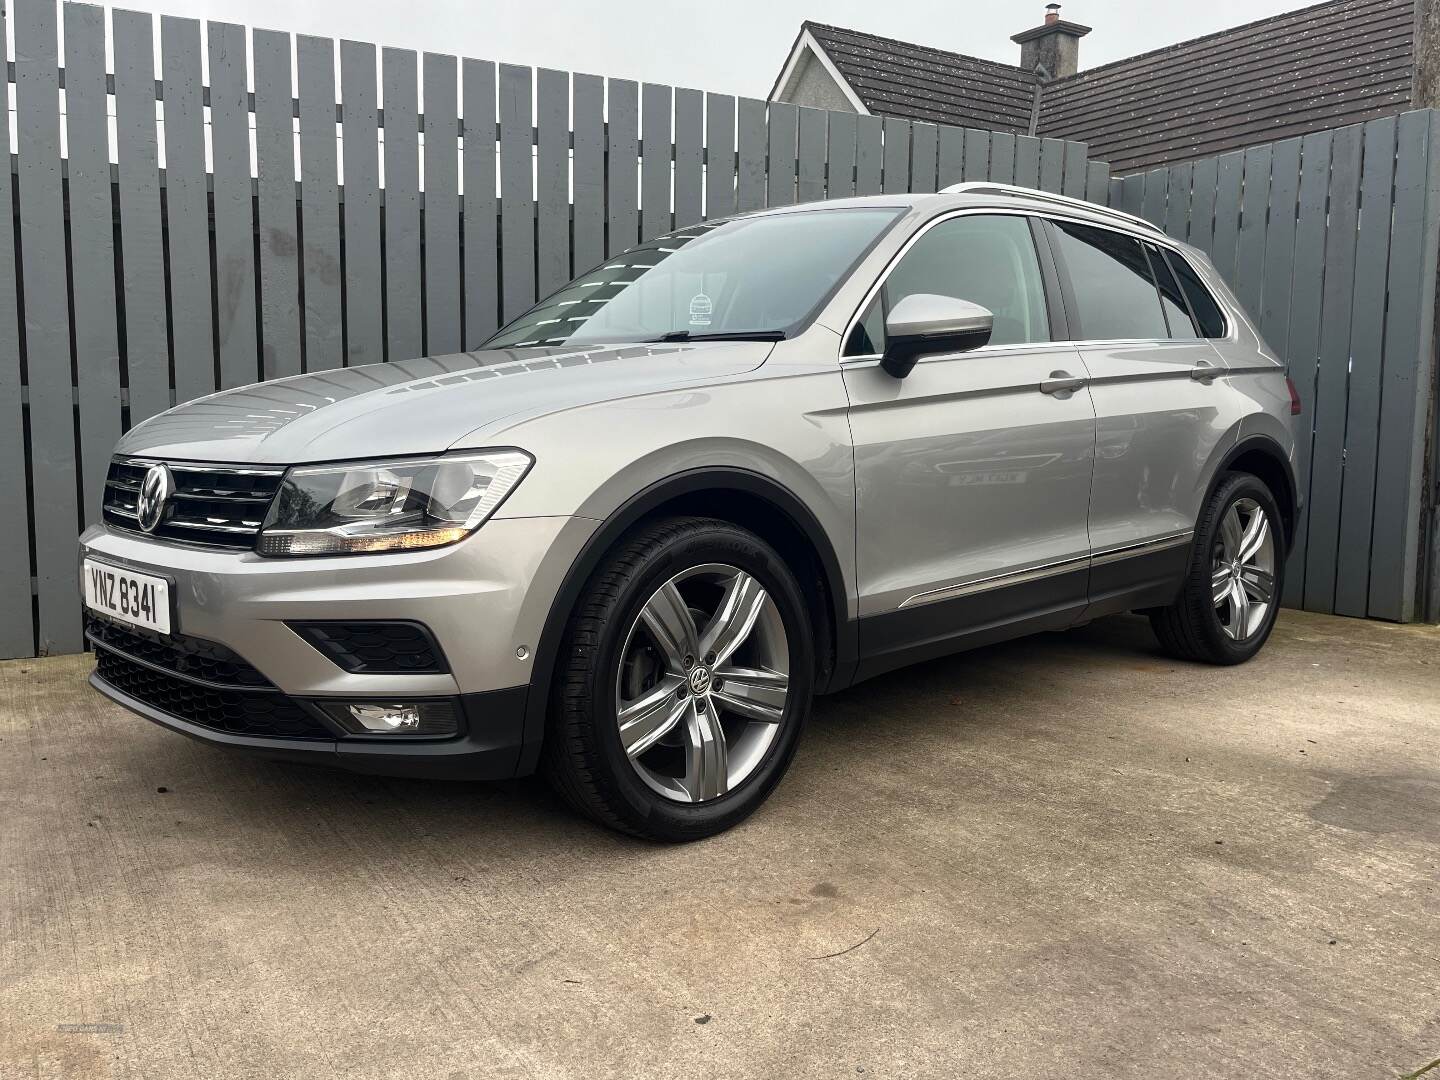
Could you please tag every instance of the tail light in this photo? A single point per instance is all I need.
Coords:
(1295, 407)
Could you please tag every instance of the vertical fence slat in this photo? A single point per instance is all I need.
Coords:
(146, 350)
(1304, 333)
(1250, 250)
(1027, 161)
(1408, 372)
(17, 628)
(623, 127)
(187, 209)
(552, 179)
(780, 181)
(1052, 165)
(689, 156)
(810, 152)
(1002, 158)
(1154, 192)
(482, 266)
(319, 204)
(656, 117)
(1367, 338)
(1226, 238)
(517, 191)
(869, 150)
(364, 328)
(950, 166)
(840, 157)
(719, 155)
(1177, 201)
(279, 240)
(588, 104)
(1132, 193)
(977, 155)
(92, 246)
(896, 177)
(1074, 183)
(1327, 467)
(1097, 182)
(47, 320)
(924, 152)
(442, 206)
(234, 207)
(403, 326)
(1279, 264)
(750, 154)
(1204, 181)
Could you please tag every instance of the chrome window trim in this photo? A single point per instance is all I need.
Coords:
(1157, 238)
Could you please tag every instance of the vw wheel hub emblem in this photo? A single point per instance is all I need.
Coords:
(699, 680)
(155, 491)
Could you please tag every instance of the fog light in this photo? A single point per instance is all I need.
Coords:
(417, 719)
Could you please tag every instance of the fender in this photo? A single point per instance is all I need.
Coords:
(622, 520)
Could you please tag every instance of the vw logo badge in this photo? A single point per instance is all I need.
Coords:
(155, 491)
(699, 680)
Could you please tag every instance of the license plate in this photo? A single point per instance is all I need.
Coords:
(128, 596)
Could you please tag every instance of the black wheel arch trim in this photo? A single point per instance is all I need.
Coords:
(1272, 449)
(843, 630)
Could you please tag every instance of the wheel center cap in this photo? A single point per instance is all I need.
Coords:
(700, 680)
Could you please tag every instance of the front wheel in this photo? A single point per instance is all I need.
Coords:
(685, 679)
(1227, 608)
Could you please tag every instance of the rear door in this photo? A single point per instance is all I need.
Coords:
(1159, 397)
(972, 473)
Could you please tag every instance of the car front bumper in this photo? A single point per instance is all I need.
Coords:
(485, 601)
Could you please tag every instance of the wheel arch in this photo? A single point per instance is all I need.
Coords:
(1263, 457)
(749, 499)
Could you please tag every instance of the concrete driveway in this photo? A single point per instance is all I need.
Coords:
(1067, 857)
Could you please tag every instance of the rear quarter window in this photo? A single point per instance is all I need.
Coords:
(1208, 316)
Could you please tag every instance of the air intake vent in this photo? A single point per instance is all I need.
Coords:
(213, 505)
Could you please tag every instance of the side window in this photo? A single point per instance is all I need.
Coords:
(1177, 315)
(988, 260)
(1110, 277)
(1207, 311)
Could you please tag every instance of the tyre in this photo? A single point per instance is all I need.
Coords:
(684, 680)
(1231, 595)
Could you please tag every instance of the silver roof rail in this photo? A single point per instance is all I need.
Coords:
(983, 187)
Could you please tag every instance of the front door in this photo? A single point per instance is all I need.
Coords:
(973, 473)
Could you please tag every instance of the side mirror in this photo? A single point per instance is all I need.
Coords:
(923, 324)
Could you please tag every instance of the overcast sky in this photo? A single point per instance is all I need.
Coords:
(736, 47)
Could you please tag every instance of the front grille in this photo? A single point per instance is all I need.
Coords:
(190, 657)
(214, 505)
(376, 648)
(265, 713)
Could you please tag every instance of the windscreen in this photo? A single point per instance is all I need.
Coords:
(758, 275)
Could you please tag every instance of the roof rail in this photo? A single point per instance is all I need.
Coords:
(982, 187)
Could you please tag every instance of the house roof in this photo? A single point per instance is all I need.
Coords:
(896, 78)
(1335, 63)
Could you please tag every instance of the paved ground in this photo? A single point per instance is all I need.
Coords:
(1067, 857)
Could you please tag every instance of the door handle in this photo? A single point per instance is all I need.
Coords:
(1061, 382)
(1204, 371)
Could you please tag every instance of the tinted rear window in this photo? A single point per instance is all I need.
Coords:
(1207, 311)
(1114, 291)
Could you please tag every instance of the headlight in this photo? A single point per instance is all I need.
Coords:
(400, 505)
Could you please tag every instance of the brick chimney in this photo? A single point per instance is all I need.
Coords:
(1052, 49)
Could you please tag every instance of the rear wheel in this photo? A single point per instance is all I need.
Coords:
(1231, 596)
(685, 679)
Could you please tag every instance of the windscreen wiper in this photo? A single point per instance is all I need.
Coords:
(722, 335)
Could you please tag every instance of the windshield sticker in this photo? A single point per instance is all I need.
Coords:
(700, 310)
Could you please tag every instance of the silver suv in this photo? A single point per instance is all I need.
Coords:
(749, 462)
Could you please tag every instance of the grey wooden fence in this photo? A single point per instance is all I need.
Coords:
(1332, 242)
(127, 286)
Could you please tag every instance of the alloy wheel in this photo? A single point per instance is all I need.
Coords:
(1243, 571)
(703, 682)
